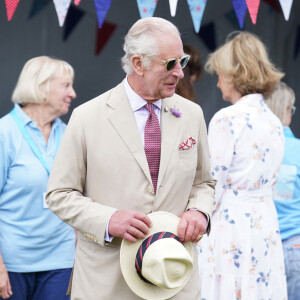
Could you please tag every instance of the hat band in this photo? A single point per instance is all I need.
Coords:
(145, 245)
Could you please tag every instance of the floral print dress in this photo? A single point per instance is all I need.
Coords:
(242, 257)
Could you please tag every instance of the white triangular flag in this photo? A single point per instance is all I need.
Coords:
(62, 8)
(286, 6)
(173, 7)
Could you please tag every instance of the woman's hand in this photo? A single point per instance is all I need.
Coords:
(5, 288)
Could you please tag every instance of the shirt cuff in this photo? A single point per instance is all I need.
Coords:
(108, 237)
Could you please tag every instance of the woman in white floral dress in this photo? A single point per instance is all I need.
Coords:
(242, 257)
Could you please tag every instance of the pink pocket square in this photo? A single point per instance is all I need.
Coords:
(188, 144)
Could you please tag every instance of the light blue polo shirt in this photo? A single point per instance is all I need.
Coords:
(287, 191)
(32, 238)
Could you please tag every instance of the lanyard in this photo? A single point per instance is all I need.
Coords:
(31, 143)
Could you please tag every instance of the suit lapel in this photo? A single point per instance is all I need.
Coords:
(170, 128)
(122, 119)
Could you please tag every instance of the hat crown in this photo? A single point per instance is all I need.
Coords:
(167, 264)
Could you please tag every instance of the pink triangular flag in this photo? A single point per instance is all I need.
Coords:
(11, 6)
(61, 8)
(286, 6)
(173, 7)
(77, 2)
(253, 6)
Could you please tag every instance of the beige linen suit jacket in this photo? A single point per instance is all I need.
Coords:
(101, 167)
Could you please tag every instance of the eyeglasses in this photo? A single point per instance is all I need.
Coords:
(171, 63)
(293, 109)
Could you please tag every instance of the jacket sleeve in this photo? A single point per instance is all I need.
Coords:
(65, 194)
(202, 193)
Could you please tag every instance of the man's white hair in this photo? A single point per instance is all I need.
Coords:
(143, 39)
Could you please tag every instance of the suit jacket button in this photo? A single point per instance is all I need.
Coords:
(150, 189)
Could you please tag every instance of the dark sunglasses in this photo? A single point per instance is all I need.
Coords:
(171, 63)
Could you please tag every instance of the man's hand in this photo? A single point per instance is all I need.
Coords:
(192, 226)
(5, 288)
(129, 224)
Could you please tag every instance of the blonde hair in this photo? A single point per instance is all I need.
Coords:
(244, 59)
(281, 98)
(33, 85)
(143, 39)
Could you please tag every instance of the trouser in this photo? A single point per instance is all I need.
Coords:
(291, 250)
(46, 285)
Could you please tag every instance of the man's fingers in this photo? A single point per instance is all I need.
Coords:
(190, 233)
(135, 232)
(139, 225)
(182, 226)
(144, 218)
(128, 237)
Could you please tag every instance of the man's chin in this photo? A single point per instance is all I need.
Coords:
(169, 93)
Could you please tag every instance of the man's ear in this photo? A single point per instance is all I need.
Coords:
(137, 64)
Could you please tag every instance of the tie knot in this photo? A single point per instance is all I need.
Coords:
(150, 107)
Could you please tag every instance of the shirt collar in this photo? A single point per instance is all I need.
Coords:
(22, 116)
(252, 99)
(136, 101)
(25, 120)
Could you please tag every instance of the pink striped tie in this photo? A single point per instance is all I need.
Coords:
(152, 143)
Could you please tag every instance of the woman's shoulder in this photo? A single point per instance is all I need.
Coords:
(7, 125)
(226, 113)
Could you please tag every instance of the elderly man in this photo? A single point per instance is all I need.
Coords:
(136, 149)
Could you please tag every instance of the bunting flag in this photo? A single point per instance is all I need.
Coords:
(207, 34)
(240, 8)
(253, 6)
(62, 8)
(173, 7)
(286, 6)
(103, 35)
(77, 2)
(73, 17)
(37, 6)
(297, 44)
(197, 8)
(274, 4)
(231, 16)
(102, 7)
(11, 6)
(146, 7)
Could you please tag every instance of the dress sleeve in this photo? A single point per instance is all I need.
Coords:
(221, 140)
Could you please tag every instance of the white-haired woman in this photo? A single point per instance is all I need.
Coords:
(287, 191)
(242, 258)
(36, 248)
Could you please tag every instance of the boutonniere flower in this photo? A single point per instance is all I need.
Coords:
(175, 112)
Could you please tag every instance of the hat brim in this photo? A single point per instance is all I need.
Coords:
(161, 221)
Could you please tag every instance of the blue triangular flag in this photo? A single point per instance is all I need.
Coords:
(102, 7)
(240, 8)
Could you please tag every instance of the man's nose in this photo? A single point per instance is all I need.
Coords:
(177, 71)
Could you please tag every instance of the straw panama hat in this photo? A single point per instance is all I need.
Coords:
(165, 263)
